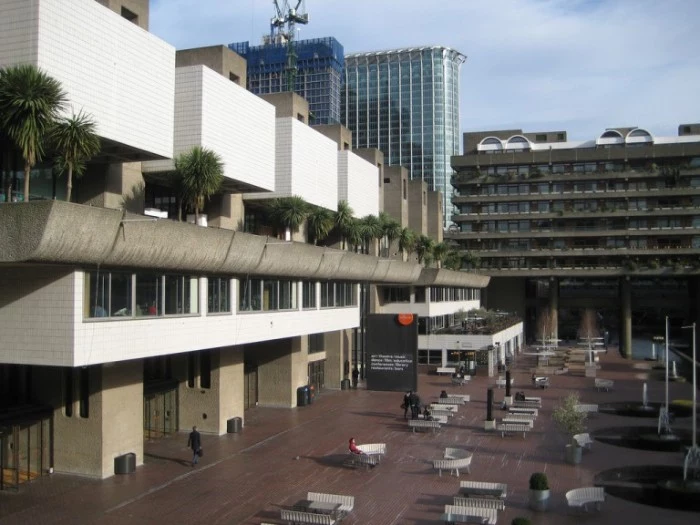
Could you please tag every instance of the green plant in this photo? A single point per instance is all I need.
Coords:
(201, 173)
(520, 521)
(539, 481)
(568, 418)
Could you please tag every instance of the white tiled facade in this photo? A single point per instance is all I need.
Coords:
(358, 183)
(306, 165)
(110, 68)
(65, 338)
(213, 112)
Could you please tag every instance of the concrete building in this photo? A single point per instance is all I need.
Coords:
(611, 224)
(119, 325)
(405, 102)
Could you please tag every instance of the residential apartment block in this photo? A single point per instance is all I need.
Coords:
(611, 223)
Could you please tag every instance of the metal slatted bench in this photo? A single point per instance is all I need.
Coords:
(453, 460)
(515, 421)
(584, 440)
(522, 410)
(458, 514)
(445, 370)
(483, 489)
(413, 424)
(520, 417)
(297, 517)
(510, 428)
(450, 401)
(466, 398)
(604, 384)
(480, 503)
(533, 402)
(590, 408)
(347, 503)
(581, 497)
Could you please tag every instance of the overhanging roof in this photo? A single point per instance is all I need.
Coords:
(58, 232)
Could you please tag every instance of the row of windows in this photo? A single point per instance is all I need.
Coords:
(636, 243)
(558, 188)
(127, 295)
(547, 225)
(402, 294)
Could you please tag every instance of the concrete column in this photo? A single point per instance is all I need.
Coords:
(554, 305)
(625, 317)
(491, 365)
(114, 426)
(229, 382)
(282, 368)
(226, 211)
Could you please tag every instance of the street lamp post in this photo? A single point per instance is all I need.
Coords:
(692, 459)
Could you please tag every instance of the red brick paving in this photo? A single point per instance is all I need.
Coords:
(245, 478)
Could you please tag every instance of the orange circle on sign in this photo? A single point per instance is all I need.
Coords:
(405, 319)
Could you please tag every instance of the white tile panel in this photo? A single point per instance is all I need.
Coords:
(428, 309)
(112, 69)
(43, 324)
(306, 165)
(213, 112)
(358, 183)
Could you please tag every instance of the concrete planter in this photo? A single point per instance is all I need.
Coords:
(573, 454)
(539, 500)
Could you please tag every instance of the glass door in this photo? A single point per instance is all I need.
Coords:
(159, 414)
(250, 392)
(24, 452)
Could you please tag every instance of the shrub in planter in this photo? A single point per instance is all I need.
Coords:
(571, 422)
(539, 481)
(539, 491)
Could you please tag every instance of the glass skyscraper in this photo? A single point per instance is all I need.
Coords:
(405, 102)
(318, 78)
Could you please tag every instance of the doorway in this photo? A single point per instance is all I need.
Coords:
(160, 415)
(317, 375)
(250, 388)
(24, 451)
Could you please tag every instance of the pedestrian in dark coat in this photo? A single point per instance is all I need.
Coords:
(415, 405)
(406, 405)
(195, 443)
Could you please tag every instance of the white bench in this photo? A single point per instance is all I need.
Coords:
(589, 408)
(509, 428)
(604, 384)
(445, 407)
(528, 403)
(583, 440)
(362, 460)
(442, 417)
(483, 488)
(347, 503)
(413, 424)
(466, 398)
(460, 381)
(296, 517)
(450, 401)
(373, 449)
(522, 410)
(583, 496)
(453, 460)
(445, 370)
(516, 421)
(480, 503)
(520, 417)
(459, 514)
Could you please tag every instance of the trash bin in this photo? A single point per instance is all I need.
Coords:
(125, 464)
(234, 425)
(345, 384)
(302, 396)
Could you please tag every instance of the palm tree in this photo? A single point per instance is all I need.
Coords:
(343, 221)
(320, 222)
(202, 174)
(76, 142)
(424, 249)
(453, 260)
(30, 102)
(289, 213)
(353, 234)
(370, 229)
(392, 229)
(439, 252)
(407, 242)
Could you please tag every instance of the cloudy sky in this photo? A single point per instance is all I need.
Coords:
(574, 65)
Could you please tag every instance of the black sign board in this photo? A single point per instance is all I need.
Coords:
(392, 352)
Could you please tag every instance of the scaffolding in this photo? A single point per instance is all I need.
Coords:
(320, 65)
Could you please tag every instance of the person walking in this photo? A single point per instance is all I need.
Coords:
(415, 405)
(195, 443)
(406, 404)
(355, 377)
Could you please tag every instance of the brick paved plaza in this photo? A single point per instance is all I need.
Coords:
(283, 453)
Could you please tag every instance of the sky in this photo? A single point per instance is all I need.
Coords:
(538, 65)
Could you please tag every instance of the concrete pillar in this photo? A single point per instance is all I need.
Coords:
(114, 426)
(491, 365)
(282, 368)
(554, 305)
(226, 211)
(625, 317)
(338, 346)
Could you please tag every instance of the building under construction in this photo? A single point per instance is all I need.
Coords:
(318, 76)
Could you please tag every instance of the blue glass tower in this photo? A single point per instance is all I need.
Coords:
(320, 64)
(405, 102)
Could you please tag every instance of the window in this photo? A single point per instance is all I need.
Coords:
(249, 295)
(234, 78)
(316, 343)
(148, 294)
(287, 295)
(120, 294)
(218, 295)
(327, 295)
(130, 15)
(308, 289)
(541, 138)
(270, 295)
(181, 295)
(397, 295)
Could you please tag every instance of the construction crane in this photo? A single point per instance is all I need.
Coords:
(282, 31)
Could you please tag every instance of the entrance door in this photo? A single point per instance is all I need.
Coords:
(160, 414)
(24, 452)
(317, 371)
(250, 393)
